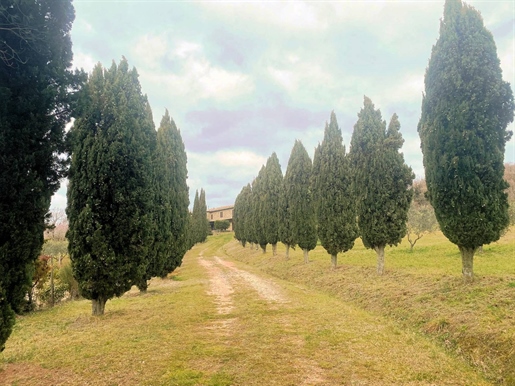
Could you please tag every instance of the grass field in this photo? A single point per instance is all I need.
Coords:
(416, 325)
(421, 290)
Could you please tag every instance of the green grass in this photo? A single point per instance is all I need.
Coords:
(173, 334)
(423, 290)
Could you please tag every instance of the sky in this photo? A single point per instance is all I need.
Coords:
(244, 79)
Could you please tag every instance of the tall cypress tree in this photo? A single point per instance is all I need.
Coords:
(334, 201)
(194, 224)
(199, 221)
(259, 209)
(381, 180)
(203, 221)
(273, 184)
(35, 95)
(299, 201)
(465, 112)
(172, 154)
(171, 202)
(249, 217)
(240, 215)
(109, 193)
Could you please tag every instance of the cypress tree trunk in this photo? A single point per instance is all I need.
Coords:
(263, 247)
(274, 249)
(143, 285)
(380, 259)
(306, 258)
(287, 251)
(467, 263)
(98, 305)
(334, 260)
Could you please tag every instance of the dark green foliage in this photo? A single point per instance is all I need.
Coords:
(381, 179)
(36, 90)
(199, 226)
(334, 201)
(222, 225)
(259, 209)
(171, 200)
(241, 215)
(299, 215)
(110, 198)
(273, 186)
(465, 112)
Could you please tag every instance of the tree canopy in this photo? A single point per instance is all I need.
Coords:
(298, 200)
(381, 180)
(465, 112)
(36, 96)
(110, 193)
(273, 185)
(332, 187)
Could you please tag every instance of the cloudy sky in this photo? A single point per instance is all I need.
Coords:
(244, 79)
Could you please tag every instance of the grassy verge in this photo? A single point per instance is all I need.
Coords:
(421, 290)
(173, 335)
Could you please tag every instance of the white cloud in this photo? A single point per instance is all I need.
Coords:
(85, 61)
(149, 49)
(199, 80)
(184, 49)
(294, 15)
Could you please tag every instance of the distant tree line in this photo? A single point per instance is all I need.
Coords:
(337, 197)
(368, 191)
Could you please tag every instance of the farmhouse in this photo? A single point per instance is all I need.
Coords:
(220, 213)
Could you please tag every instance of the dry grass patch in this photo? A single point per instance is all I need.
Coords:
(423, 291)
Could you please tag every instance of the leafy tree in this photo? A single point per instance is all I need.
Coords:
(222, 225)
(109, 194)
(334, 203)
(199, 221)
(259, 210)
(421, 216)
(300, 208)
(241, 214)
(270, 214)
(381, 181)
(246, 215)
(172, 155)
(171, 202)
(36, 95)
(465, 112)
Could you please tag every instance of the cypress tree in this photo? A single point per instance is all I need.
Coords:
(381, 181)
(171, 202)
(465, 112)
(109, 193)
(300, 213)
(249, 217)
(240, 214)
(334, 201)
(36, 89)
(199, 221)
(273, 184)
(194, 224)
(259, 209)
(205, 228)
(173, 155)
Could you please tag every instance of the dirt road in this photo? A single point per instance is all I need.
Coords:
(284, 334)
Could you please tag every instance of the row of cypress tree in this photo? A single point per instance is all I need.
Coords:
(466, 110)
(335, 198)
(127, 194)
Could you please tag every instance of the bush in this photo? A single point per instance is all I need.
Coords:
(222, 225)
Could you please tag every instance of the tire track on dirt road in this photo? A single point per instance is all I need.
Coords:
(225, 279)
